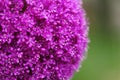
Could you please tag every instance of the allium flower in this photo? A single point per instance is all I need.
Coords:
(41, 39)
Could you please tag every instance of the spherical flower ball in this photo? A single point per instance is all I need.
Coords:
(41, 39)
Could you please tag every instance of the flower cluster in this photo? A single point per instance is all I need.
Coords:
(41, 39)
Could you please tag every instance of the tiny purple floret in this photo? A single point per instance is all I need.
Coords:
(41, 39)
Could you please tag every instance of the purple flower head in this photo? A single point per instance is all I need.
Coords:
(41, 39)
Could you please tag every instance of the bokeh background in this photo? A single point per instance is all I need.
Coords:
(103, 57)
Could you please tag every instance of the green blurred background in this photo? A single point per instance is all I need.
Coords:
(103, 58)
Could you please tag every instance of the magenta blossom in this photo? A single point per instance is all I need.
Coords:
(41, 39)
